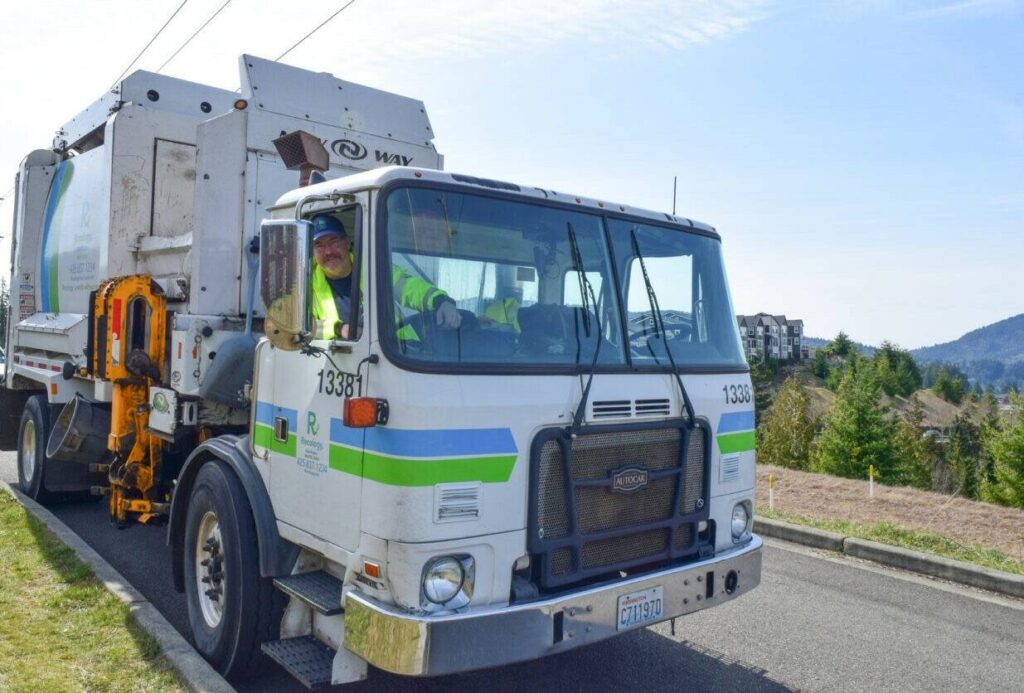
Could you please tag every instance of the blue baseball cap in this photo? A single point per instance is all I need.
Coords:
(327, 225)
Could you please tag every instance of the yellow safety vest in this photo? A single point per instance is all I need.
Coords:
(504, 312)
(411, 292)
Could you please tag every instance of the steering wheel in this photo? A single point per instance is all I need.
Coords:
(640, 338)
(434, 337)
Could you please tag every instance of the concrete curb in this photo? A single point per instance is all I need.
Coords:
(194, 671)
(798, 534)
(896, 557)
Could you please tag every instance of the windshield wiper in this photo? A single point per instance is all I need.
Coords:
(587, 298)
(659, 324)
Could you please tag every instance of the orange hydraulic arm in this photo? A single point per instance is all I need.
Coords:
(129, 350)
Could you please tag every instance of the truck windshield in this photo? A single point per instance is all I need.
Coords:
(687, 275)
(475, 279)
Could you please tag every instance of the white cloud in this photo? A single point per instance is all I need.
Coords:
(469, 29)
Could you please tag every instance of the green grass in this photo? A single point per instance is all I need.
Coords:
(60, 630)
(894, 535)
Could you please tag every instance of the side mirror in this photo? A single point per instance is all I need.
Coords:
(284, 281)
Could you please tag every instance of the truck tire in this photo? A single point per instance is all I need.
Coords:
(12, 404)
(231, 609)
(32, 436)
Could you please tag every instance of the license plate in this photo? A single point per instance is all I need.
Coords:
(639, 608)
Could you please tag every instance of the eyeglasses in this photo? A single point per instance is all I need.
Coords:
(330, 242)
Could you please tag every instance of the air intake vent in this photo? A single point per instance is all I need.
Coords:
(652, 407)
(607, 409)
(730, 469)
(456, 502)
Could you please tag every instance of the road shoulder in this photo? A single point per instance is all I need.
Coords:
(896, 557)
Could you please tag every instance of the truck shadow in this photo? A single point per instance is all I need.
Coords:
(640, 661)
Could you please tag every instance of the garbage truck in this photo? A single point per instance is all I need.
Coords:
(567, 456)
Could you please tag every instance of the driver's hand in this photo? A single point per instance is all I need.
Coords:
(448, 316)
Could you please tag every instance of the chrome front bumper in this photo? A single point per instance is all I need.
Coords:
(419, 645)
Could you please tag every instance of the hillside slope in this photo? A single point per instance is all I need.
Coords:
(938, 413)
(1002, 341)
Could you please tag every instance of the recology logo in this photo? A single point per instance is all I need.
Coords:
(349, 149)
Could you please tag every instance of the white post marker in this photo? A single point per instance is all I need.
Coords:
(871, 480)
(771, 492)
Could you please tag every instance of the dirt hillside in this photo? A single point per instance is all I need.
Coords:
(825, 497)
(937, 411)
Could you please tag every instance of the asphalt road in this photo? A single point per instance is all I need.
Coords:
(817, 622)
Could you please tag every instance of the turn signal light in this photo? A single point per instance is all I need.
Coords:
(371, 569)
(360, 412)
(241, 104)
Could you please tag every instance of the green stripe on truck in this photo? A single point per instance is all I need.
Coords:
(736, 442)
(398, 471)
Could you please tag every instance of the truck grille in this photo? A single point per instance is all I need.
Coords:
(615, 497)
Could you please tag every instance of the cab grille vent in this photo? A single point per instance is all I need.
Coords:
(455, 502)
(652, 407)
(625, 408)
(612, 409)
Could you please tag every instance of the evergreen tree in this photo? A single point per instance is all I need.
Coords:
(856, 433)
(896, 370)
(991, 429)
(1007, 450)
(950, 385)
(963, 453)
(819, 364)
(786, 430)
(762, 374)
(842, 345)
(913, 450)
(852, 363)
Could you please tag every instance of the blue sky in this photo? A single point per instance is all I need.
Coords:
(864, 161)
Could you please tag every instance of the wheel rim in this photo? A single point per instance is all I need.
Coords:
(28, 450)
(210, 581)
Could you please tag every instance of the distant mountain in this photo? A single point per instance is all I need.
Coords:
(991, 355)
(1002, 341)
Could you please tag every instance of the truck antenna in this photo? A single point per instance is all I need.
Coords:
(675, 179)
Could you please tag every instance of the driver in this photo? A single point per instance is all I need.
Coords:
(332, 284)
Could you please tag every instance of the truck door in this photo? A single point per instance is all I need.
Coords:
(315, 463)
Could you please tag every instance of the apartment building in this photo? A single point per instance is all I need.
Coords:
(771, 336)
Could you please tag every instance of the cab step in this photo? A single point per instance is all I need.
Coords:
(305, 658)
(319, 589)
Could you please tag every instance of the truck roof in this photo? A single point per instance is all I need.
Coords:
(378, 177)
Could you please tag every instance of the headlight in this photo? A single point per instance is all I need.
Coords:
(442, 579)
(448, 582)
(740, 521)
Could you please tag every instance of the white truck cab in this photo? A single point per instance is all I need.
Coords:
(574, 460)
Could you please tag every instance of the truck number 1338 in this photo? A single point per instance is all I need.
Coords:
(735, 394)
